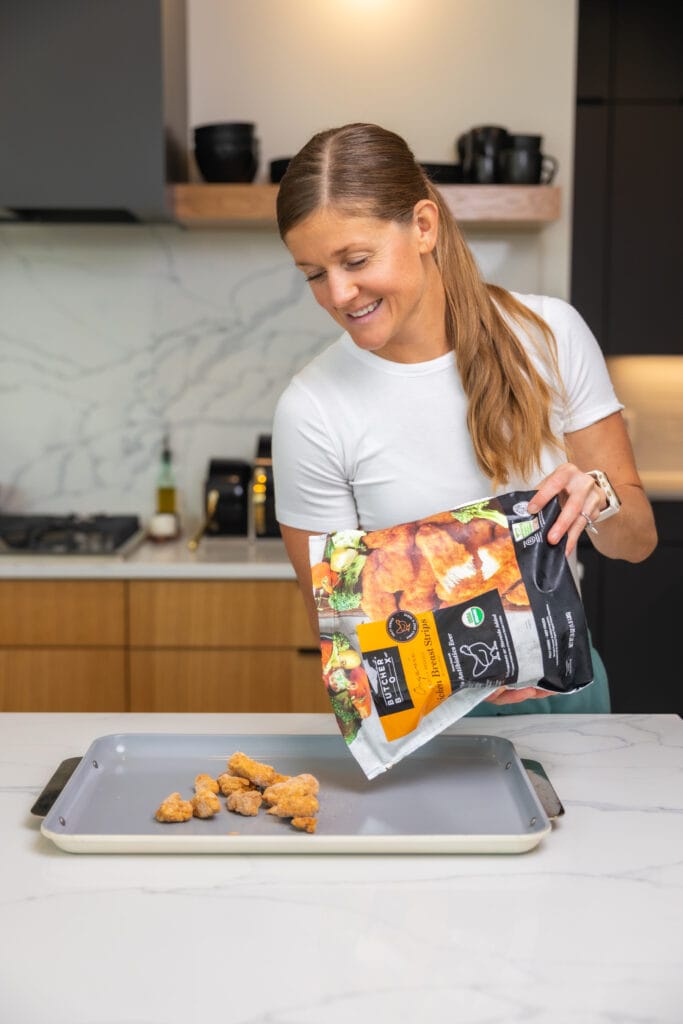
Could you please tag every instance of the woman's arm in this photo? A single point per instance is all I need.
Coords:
(631, 534)
(296, 543)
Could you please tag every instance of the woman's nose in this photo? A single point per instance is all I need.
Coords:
(342, 289)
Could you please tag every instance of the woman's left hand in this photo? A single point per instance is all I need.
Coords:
(581, 499)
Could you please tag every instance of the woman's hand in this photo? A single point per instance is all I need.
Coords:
(581, 498)
(503, 696)
(604, 445)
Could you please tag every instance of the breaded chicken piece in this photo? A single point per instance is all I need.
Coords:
(205, 782)
(232, 783)
(298, 785)
(174, 808)
(516, 596)
(305, 824)
(499, 565)
(205, 804)
(295, 805)
(245, 801)
(451, 562)
(400, 536)
(420, 595)
(473, 534)
(261, 775)
(379, 598)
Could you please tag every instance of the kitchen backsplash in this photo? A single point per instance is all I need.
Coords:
(111, 335)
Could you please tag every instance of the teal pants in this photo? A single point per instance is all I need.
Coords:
(591, 700)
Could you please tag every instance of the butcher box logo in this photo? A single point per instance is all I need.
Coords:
(402, 626)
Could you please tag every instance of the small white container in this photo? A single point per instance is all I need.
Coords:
(163, 526)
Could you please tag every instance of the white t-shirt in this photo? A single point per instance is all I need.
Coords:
(362, 442)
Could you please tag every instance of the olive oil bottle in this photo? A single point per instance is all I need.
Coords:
(166, 489)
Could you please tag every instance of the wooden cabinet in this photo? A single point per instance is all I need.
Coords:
(224, 645)
(62, 645)
(235, 680)
(157, 645)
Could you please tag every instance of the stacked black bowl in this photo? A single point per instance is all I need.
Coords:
(226, 151)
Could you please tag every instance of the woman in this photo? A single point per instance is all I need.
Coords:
(443, 389)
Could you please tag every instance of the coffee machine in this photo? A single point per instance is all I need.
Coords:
(229, 478)
(262, 490)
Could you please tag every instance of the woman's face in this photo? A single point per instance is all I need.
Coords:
(377, 279)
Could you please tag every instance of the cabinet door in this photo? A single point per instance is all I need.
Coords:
(589, 243)
(592, 69)
(646, 225)
(61, 613)
(218, 613)
(55, 679)
(641, 632)
(284, 680)
(647, 49)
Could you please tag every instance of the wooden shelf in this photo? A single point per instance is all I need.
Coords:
(502, 206)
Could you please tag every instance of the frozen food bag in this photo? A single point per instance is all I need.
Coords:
(422, 621)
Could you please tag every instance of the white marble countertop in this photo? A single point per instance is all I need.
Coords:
(585, 928)
(216, 558)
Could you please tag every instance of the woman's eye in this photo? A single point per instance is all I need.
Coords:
(315, 277)
(358, 263)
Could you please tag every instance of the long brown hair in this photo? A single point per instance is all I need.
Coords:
(362, 169)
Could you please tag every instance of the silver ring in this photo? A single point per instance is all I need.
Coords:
(589, 523)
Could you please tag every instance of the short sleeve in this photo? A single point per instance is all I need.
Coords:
(588, 388)
(311, 488)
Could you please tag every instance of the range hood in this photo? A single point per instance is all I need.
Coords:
(93, 108)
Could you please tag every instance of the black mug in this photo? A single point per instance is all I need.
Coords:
(483, 169)
(478, 150)
(522, 166)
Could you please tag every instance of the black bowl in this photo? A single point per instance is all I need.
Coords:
(443, 174)
(224, 130)
(227, 164)
(278, 168)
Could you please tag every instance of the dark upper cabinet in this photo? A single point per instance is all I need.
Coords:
(589, 243)
(593, 66)
(648, 43)
(92, 104)
(645, 230)
(628, 156)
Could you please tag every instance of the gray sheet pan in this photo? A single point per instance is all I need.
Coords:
(457, 794)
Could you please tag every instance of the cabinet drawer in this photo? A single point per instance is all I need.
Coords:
(61, 613)
(227, 681)
(220, 613)
(54, 679)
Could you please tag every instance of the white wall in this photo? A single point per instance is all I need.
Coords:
(428, 69)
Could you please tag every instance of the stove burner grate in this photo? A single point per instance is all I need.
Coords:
(66, 535)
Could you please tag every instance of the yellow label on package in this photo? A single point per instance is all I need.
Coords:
(414, 662)
(410, 674)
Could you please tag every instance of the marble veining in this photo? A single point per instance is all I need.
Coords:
(585, 928)
(112, 335)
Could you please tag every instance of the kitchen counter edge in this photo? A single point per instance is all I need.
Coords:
(216, 559)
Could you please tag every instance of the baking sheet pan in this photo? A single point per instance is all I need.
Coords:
(457, 794)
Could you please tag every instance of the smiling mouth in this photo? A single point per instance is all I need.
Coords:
(365, 311)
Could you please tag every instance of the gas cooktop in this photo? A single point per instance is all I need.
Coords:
(68, 535)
